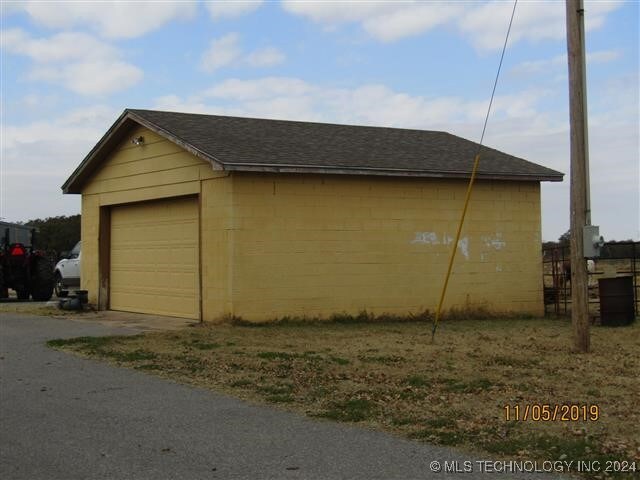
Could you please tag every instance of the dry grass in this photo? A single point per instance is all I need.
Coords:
(390, 376)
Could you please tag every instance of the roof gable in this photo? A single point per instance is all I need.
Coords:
(250, 144)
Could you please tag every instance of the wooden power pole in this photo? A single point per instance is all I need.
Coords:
(580, 202)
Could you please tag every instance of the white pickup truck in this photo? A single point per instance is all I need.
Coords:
(67, 271)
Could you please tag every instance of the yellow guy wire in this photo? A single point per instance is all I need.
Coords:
(471, 181)
(455, 243)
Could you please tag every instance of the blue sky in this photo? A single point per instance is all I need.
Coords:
(69, 69)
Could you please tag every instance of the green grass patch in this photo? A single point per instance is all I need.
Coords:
(507, 361)
(90, 343)
(384, 359)
(417, 381)
(353, 410)
(149, 366)
(282, 398)
(275, 389)
(441, 422)
(242, 383)
(276, 355)
(472, 386)
(440, 437)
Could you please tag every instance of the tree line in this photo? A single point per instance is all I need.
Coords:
(55, 234)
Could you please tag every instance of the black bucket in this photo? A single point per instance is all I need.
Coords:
(616, 301)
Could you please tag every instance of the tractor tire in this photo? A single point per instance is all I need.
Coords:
(4, 293)
(22, 293)
(59, 289)
(42, 280)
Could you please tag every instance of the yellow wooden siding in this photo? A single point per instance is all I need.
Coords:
(316, 245)
(154, 258)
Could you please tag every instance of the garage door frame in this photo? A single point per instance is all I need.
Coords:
(104, 250)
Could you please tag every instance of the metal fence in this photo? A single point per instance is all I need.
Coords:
(617, 259)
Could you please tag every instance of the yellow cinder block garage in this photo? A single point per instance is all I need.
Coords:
(204, 216)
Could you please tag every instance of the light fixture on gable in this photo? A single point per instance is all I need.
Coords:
(137, 140)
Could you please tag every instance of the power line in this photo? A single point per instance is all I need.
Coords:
(476, 162)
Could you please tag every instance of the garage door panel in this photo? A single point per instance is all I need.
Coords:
(154, 258)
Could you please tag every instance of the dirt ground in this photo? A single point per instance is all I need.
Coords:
(136, 321)
(484, 386)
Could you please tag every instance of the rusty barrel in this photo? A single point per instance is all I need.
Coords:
(616, 301)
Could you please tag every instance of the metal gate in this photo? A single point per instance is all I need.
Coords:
(617, 259)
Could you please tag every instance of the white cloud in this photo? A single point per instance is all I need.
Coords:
(484, 23)
(371, 104)
(66, 46)
(265, 57)
(540, 66)
(91, 78)
(38, 157)
(226, 51)
(112, 19)
(221, 52)
(411, 20)
(267, 87)
(231, 9)
(76, 61)
(386, 21)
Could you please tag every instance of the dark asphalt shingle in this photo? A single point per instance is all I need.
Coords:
(246, 142)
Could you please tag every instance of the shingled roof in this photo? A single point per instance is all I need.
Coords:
(252, 144)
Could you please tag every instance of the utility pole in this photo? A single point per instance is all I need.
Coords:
(580, 204)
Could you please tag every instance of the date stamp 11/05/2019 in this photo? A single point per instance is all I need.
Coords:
(546, 412)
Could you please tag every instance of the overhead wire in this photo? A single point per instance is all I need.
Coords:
(476, 163)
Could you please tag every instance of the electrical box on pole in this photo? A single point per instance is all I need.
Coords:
(592, 241)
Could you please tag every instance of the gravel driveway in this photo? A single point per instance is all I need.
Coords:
(64, 417)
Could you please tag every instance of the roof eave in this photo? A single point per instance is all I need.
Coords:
(270, 168)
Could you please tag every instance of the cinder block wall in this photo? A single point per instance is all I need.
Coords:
(216, 233)
(319, 244)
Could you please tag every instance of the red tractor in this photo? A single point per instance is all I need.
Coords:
(23, 268)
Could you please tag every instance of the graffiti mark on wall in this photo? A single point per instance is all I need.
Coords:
(431, 238)
(496, 242)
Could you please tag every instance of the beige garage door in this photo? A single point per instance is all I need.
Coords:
(154, 258)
